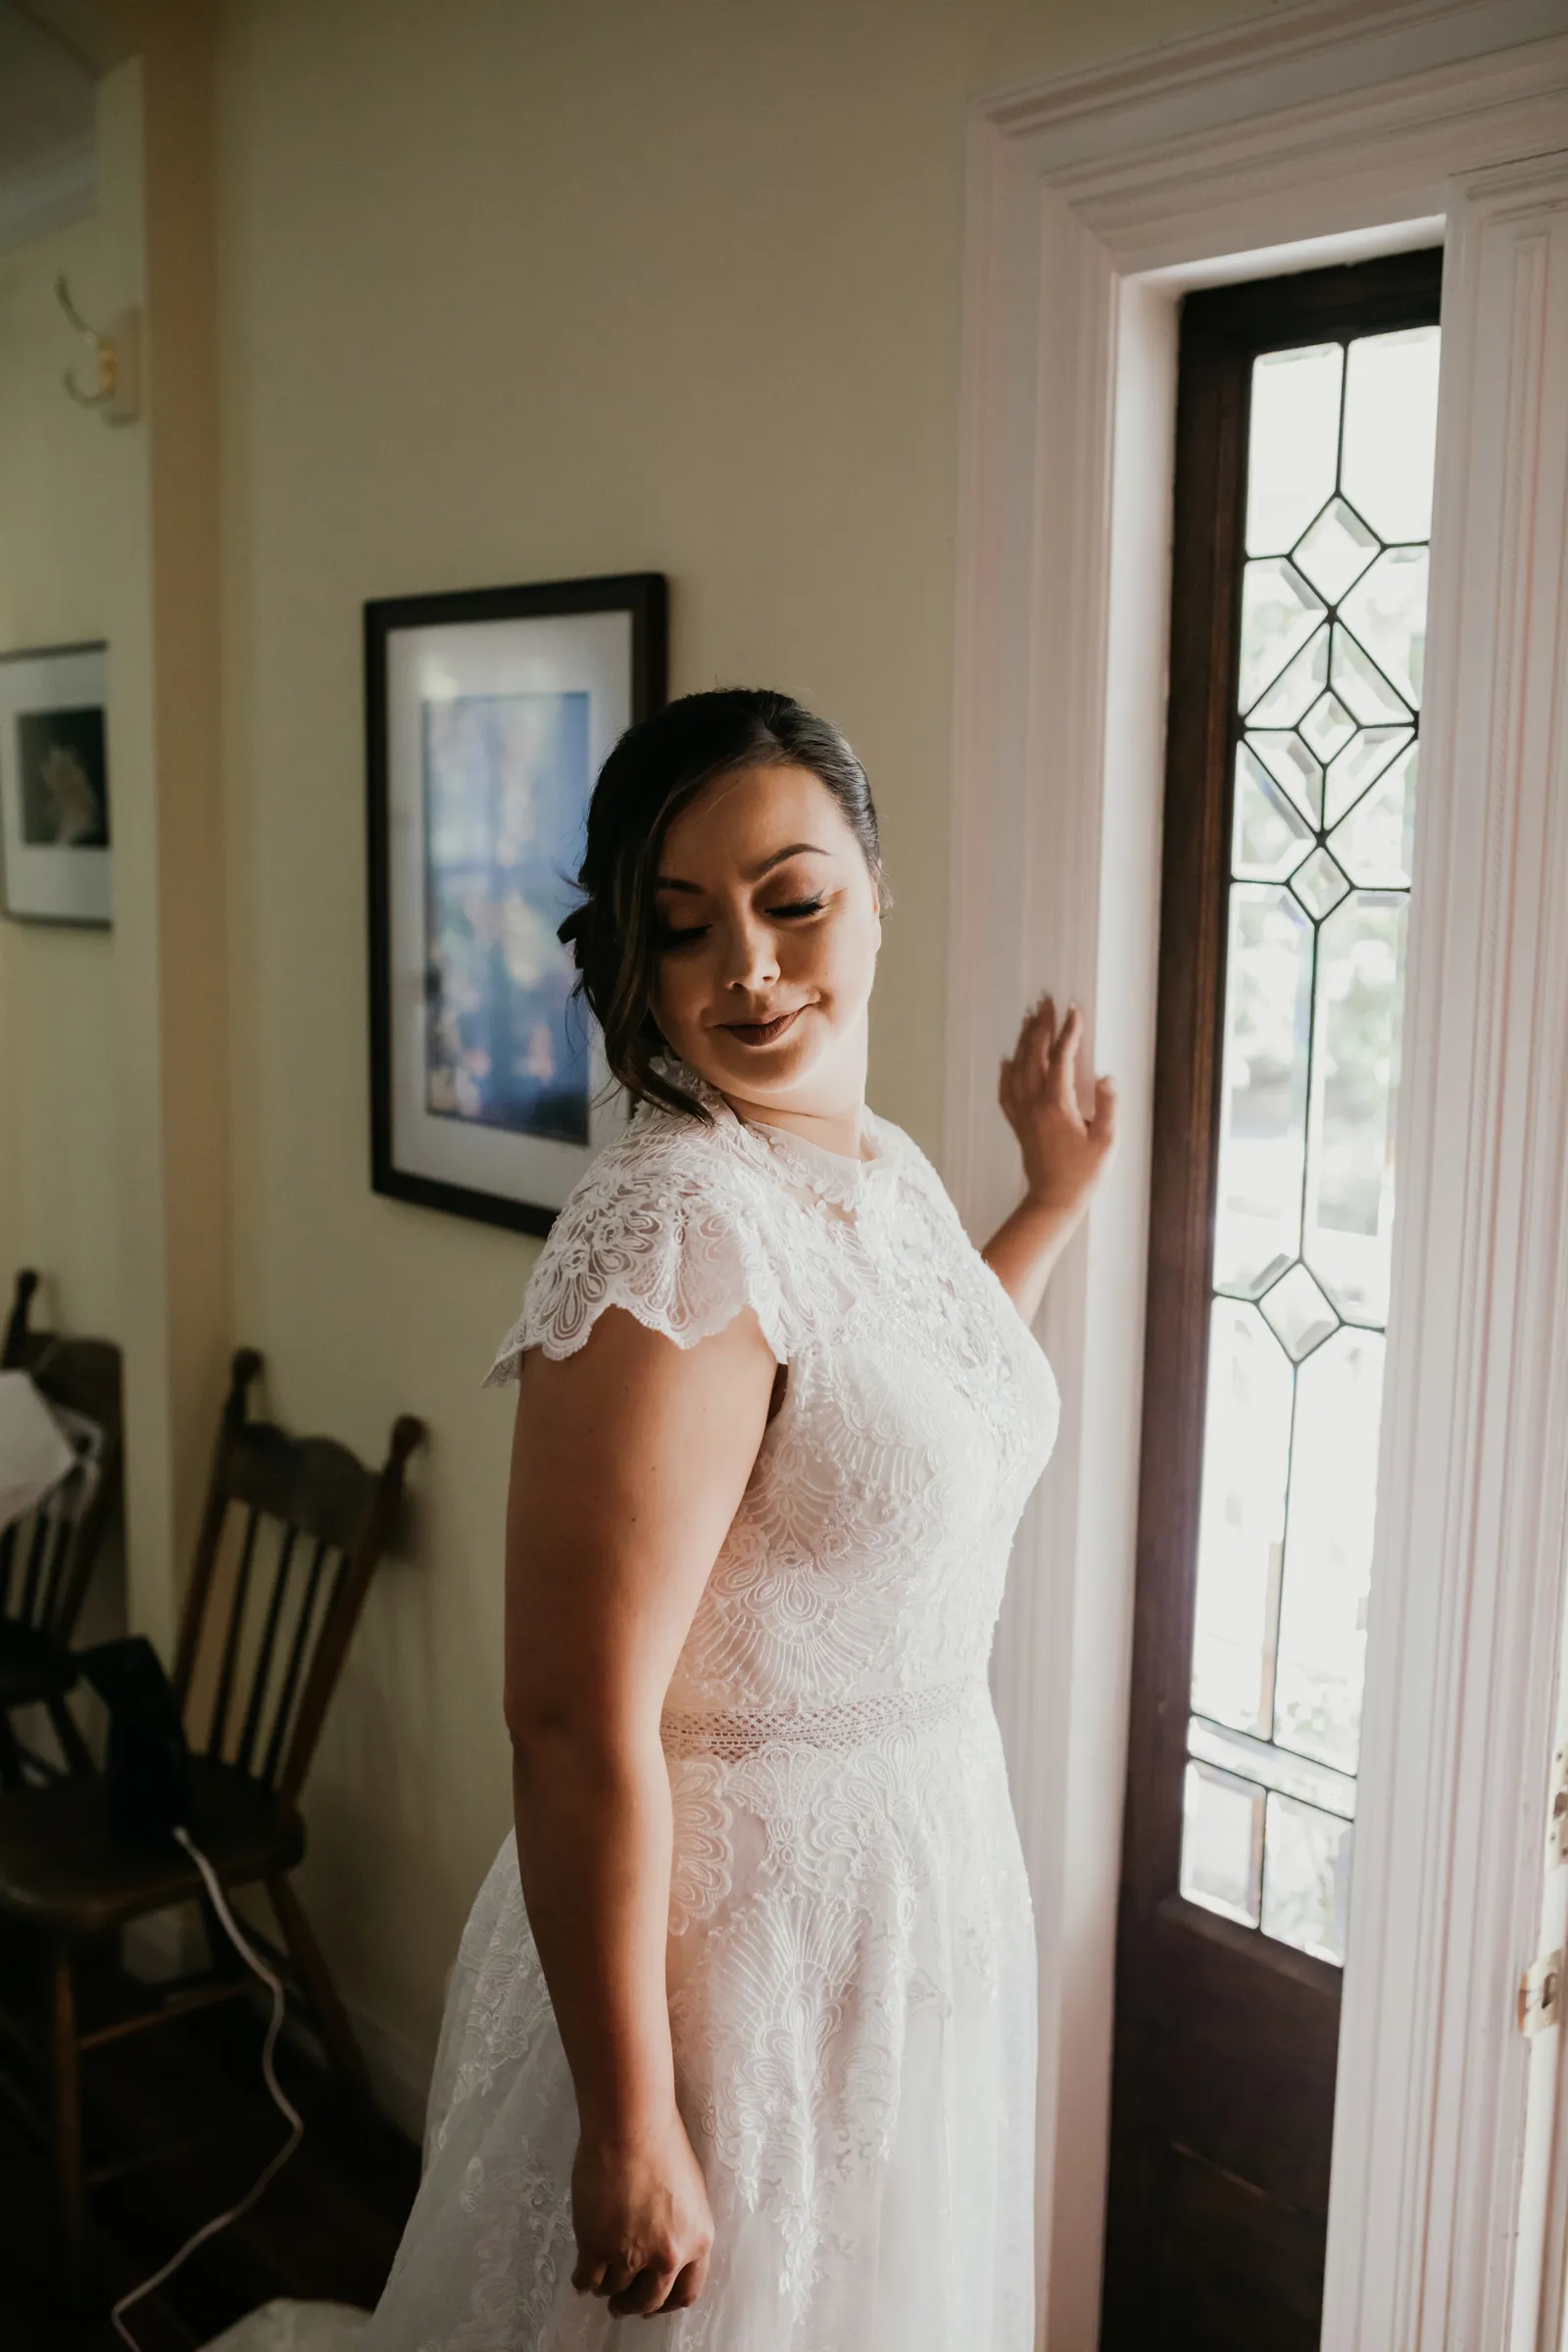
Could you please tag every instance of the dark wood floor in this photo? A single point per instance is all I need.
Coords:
(325, 2228)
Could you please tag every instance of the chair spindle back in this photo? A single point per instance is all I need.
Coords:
(291, 1534)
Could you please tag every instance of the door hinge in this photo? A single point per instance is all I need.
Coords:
(1557, 1822)
(1541, 1994)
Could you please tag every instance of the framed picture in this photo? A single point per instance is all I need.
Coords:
(54, 785)
(488, 716)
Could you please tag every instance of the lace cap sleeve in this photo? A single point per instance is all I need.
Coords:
(653, 1229)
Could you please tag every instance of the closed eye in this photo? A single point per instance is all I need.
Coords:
(680, 936)
(798, 906)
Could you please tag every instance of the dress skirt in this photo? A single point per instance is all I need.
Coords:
(851, 1984)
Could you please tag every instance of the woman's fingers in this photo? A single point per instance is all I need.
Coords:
(645, 2293)
(1064, 1057)
(688, 2286)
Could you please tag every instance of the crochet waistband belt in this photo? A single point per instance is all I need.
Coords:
(853, 1723)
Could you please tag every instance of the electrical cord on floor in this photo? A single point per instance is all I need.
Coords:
(279, 2096)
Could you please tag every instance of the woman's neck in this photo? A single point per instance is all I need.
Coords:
(840, 1130)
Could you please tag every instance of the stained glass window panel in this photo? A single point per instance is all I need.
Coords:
(1332, 653)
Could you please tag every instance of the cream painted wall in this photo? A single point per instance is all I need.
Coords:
(65, 483)
(114, 1174)
(509, 292)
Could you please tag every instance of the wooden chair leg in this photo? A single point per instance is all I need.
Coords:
(337, 2035)
(73, 1746)
(70, 2189)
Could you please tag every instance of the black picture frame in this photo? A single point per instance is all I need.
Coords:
(510, 1165)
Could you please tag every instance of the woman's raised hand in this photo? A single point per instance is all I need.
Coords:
(1064, 1149)
(641, 2220)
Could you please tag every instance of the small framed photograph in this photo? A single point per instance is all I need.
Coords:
(54, 785)
(488, 715)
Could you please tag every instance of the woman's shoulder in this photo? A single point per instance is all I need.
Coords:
(666, 1224)
(665, 1158)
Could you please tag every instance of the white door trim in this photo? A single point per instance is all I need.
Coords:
(1091, 203)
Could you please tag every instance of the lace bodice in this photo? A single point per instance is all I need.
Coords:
(867, 1557)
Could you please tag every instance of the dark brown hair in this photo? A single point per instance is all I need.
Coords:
(655, 770)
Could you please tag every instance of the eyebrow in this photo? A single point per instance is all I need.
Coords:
(796, 849)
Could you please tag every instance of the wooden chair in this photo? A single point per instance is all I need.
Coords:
(47, 1558)
(292, 1530)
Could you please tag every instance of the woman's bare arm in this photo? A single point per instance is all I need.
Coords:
(1064, 1152)
(628, 1461)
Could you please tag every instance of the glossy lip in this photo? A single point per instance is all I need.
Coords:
(760, 1032)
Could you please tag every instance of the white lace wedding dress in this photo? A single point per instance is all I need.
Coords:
(850, 1956)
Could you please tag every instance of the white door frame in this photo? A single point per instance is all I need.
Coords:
(1338, 127)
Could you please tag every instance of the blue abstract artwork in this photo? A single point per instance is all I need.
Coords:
(506, 797)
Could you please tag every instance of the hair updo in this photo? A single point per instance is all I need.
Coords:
(655, 770)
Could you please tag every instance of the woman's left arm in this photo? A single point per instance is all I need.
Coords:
(1064, 1152)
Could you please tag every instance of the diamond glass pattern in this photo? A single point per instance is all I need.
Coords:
(1327, 727)
(1297, 1313)
(1279, 614)
(1336, 550)
(1374, 843)
(1271, 835)
(1333, 646)
(1291, 764)
(1358, 764)
(1319, 883)
(1295, 689)
(1361, 686)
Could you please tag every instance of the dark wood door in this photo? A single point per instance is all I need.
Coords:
(1305, 422)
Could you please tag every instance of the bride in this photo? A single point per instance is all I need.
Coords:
(742, 2029)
